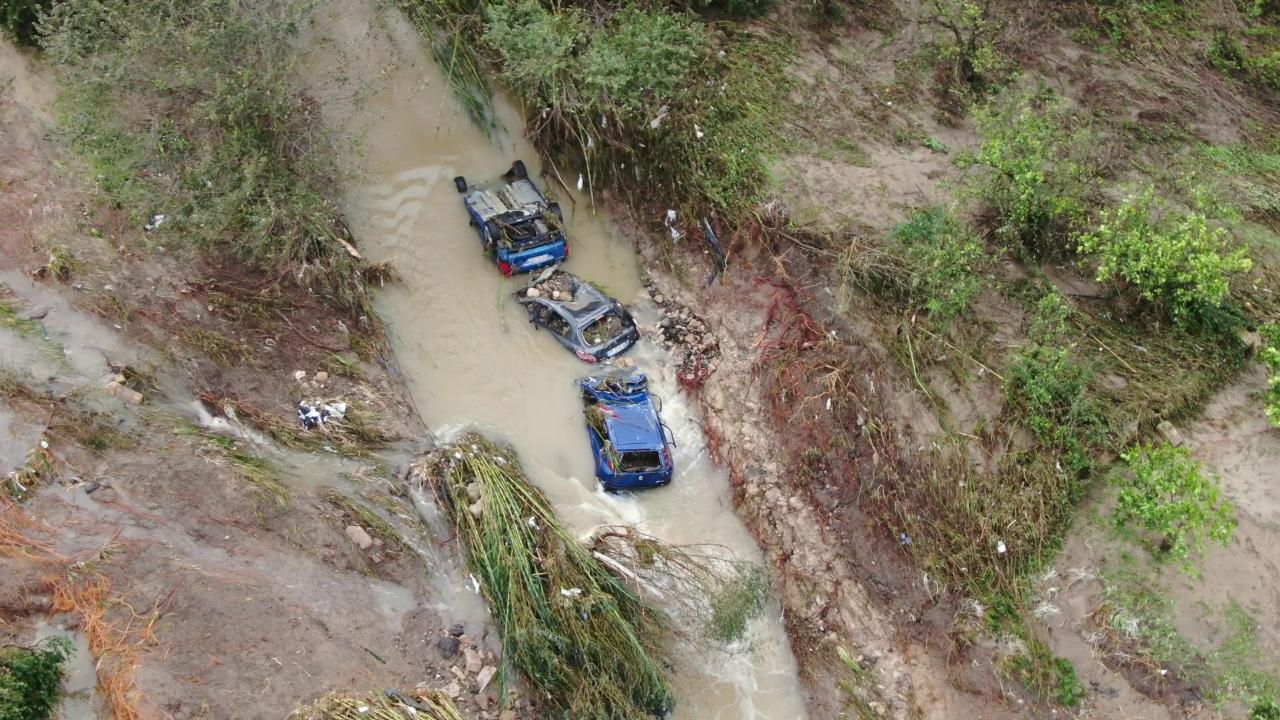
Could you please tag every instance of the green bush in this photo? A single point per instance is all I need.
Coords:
(642, 60)
(538, 47)
(1271, 358)
(732, 8)
(1033, 187)
(1167, 497)
(190, 110)
(1265, 709)
(19, 18)
(1176, 260)
(942, 261)
(31, 680)
(1050, 389)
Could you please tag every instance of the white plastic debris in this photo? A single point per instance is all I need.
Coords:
(579, 181)
(573, 593)
(1000, 547)
(698, 132)
(657, 120)
(44, 445)
(475, 584)
(155, 222)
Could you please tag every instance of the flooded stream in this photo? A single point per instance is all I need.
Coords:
(469, 357)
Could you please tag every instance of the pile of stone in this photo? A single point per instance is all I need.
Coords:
(689, 338)
(471, 680)
(559, 286)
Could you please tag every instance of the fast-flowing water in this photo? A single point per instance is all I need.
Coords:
(470, 358)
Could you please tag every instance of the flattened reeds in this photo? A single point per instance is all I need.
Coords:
(421, 705)
(587, 643)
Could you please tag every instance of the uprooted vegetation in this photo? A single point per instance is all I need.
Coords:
(587, 626)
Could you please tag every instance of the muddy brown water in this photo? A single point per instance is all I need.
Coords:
(470, 358)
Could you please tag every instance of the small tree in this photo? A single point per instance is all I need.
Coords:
(973, 30)
(1177, 260)
(1168, 497)
(1033, 187)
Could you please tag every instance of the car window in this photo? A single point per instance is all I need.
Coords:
(604, 328)
(639, 460)
(556, 324)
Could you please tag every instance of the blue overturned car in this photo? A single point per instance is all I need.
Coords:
(632, 446)
(518, 226)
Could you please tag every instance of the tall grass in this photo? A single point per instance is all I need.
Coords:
(585, 641)
(186, 109)
(422, 705)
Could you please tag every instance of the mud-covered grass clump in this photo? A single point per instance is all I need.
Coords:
(190, 121)
(585, 641)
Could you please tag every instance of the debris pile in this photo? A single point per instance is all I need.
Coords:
(584, 640)
(556, 286)
(389, 705)
(689, 337)
(315, 413)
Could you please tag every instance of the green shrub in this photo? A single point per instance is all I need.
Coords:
(1033, 187)
(1271, 358)
(1049, 388)
(1265, 709)
(1176, 260)
(31, 680)
(189, 110)
(641, 61)
(970, 49)
(538, 47)
(942, 261)
(733, 8)
(1167, 497)
(19, 18)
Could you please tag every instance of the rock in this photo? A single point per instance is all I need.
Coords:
(473, 491)
(124, 392)
(476, 509)
(557, 295)
(473, 659)
(533, 293)
(1170, 432)
(457, 630)
(359, 536)
(507, 715)
(299, 375)
(658, 299)
(448, 646)
(453, 690)
(626, 362)
(485, 676)
(1252, 341)
(321, 376)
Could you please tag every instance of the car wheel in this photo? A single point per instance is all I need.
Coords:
(460, 183)
(519, 170)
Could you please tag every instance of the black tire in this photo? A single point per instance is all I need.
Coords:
(460, 183)
(518, 169)
(555, 208)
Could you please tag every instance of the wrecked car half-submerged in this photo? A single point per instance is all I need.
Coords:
(632, 446)
(518, 226)
(580, 317)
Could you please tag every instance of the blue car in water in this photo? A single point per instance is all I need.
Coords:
(518, 226)
(632, 446)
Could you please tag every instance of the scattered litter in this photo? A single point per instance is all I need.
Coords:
(155, 222)
(698, 132)
(316, 413)
(579, 181)
(670, 222)
(1000, 547)
(573, 593)
(904, 539)
(657, 120)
